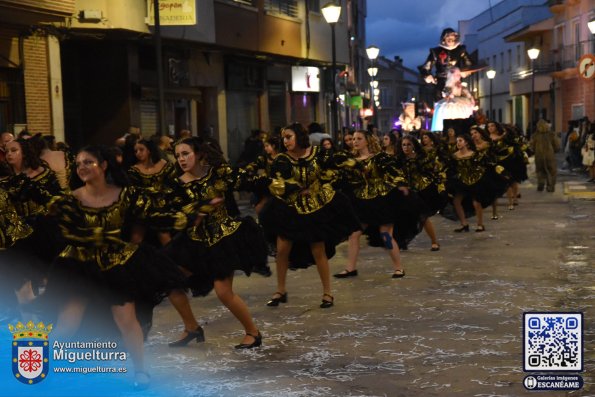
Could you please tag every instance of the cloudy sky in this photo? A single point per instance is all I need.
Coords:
(408, 28)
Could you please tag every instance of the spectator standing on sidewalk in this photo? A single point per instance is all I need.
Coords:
(545, 144)
(588, 153)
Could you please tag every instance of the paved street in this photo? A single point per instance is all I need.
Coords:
(452, 326)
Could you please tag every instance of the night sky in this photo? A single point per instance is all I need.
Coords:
(408, 28)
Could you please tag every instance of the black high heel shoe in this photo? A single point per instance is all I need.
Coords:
(282, 298)
(464, 228)
(198, 334)
(326, 304)
(257, 342)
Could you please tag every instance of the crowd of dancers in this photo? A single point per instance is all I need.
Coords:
(117, 230)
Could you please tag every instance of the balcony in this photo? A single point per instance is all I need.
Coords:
(567, 57)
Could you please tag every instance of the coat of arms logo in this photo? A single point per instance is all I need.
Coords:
(30, 351)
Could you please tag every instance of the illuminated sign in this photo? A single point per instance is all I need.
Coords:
(305, 79)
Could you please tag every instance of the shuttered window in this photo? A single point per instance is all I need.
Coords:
(284, 7)
(148, 118)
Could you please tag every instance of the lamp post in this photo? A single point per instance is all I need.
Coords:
(160, 84)
(491, 74)
(331, 13)
(533, 53)
(373, 52)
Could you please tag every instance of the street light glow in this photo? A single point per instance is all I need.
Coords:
(374, 83)
(372, 71)
(372, 52)
(331, 12)
(533, 53)
(591, 26)
(491, 73)
(376, 91)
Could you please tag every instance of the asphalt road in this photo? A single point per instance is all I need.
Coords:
(452, 327)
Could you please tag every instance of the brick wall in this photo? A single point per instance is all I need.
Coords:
(37, 90)
(577, 91)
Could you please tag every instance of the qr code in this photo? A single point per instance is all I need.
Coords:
(553, 341)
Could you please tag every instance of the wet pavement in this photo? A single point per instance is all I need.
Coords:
(451, 327)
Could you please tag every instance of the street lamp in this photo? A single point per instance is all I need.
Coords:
(491, 74)
(591, 26)
(533, 54)
(331, 13)
(373, 52)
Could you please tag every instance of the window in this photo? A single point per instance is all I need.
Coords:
(283, 7)
(518, 56)
(509, 68)
(502, 62)
(494, 62)
(577, 40)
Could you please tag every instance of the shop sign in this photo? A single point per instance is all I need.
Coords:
(173, 12)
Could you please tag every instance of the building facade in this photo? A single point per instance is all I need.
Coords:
(488, 35)
(30, 75)
(233, 66)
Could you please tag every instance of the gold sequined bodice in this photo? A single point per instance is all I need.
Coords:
(216, 183)
(305, 183)
(12, 228)
(31, 195)
(376, 176)
(96, 234)
(156, 182)
(468, 170)
(421, 172)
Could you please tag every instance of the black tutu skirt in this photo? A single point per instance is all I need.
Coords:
(491, 186)
(331, 224)
(432, 201)
(334, 222)
(380, 210)
(515, 166)
(450, 213)
(406, 216)
(46, 240)
(146, 278)
(244, 250)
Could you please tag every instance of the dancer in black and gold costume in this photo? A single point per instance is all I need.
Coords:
(376, 186)
(484, 145)
(157, 177)
(425, 175)
(212, 249)
(99, 261)
(508, 148)
(306, 211)
(471, 176)
(30, 187)
(16, 263)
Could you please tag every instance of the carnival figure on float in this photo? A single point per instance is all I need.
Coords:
(410, 123)
(452, 63)
(458, 103)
